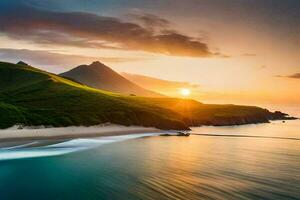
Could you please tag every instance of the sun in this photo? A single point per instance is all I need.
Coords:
(185, 92)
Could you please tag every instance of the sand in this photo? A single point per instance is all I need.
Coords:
(38, 133)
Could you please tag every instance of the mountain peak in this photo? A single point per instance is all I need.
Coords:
(96, 63)
(100, 76)
(22, 63)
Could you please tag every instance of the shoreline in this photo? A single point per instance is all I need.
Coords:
(46, 142)
(40, 133)
(73, 132)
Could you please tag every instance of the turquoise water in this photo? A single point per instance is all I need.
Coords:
(221, 165)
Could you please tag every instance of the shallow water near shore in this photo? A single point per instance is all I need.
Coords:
(240, 162)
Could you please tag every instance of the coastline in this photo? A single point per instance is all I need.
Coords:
(15, 134)
(63, 133)
(29, 142)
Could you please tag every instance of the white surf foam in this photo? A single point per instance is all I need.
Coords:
(62, 148)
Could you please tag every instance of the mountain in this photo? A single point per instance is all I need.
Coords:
(100, 76)
(30, 96)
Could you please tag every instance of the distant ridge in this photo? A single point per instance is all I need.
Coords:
(100, 76)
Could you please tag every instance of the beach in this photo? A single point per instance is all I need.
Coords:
(30, 142)
(14, 134)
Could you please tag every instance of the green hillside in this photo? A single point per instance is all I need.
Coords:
(30, 96)
(33, 97)
(195, 113)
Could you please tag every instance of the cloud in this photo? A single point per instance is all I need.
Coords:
(149, 20)
(46, 58)
(295, 76)
(83, 29)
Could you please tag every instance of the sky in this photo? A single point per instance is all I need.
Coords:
(233, 51)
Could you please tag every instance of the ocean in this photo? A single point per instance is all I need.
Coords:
(238, 162)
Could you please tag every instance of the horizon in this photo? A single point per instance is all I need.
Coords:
(235, 52)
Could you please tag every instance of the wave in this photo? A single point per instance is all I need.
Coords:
(61, 148)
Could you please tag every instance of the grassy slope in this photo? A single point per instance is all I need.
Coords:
(195, 113)
(33, 97)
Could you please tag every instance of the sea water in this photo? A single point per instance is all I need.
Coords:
(238, 162)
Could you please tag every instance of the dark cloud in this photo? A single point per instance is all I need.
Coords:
(295, 76)
(149, 20)
(46, 58)
(89, 30)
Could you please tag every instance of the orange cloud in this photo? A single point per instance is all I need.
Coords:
(89, 30)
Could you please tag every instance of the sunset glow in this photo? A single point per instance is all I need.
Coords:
(141, 99)
(224, 60)
(185, 92)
